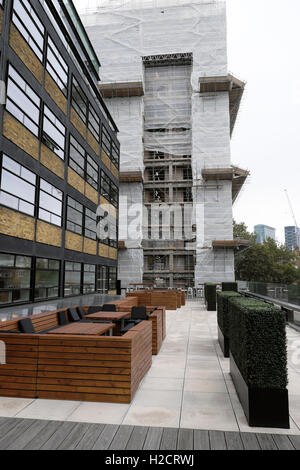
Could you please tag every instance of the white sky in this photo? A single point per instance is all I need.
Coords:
(264, 50)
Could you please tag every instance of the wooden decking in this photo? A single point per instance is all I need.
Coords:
(30, 434)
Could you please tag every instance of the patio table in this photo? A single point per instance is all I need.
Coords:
(96, 329)
(109, 316)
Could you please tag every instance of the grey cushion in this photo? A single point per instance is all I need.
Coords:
(25, 325)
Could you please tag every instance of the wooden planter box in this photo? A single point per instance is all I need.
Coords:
(74, 367)
(267, 408)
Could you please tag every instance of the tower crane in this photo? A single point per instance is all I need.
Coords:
(291, 207)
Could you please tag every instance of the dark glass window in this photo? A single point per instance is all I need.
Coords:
(57, 67)
(74, 216)
(109, 190)
(50, 203)
(72, 278)
(18, 186)
(112, 282)
(102, 279)
(77, 157)
(106, 141)
(83, 164)
(115, 155)
(54, 133)
(79, 100)
(89, 278)
(22, 102)
(94, 123)
(46, 278)
(105, 186)
(15, 277)
(29, 25)
(92, 173)
(90, 225)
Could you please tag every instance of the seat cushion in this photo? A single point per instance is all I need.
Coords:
(109, 308)
(25, 325)
(62, 318)
(73, 315)
(139, 313)
(95, 309)
(81, 312)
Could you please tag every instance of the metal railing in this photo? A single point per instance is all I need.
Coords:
(285, 296)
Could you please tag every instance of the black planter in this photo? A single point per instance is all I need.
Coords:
(267, 408)
(223, 342)
(211, 306)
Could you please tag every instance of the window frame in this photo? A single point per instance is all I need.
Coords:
(35, 185)
(83, 115)
(24, 26)
(47, 138)
(63, 64)
(14, 103)
(71, 221)
(39, 207)
(36, 269)
(88, 161)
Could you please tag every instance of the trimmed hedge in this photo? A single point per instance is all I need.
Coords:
(229, 287)
(210, 290)
(222, 310)
(258, 342)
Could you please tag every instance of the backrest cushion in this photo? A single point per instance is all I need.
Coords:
(81, 312)
(139, 313)
(73, 315)
(109, 308)
(62, 318)
(25, 325)
(95, 309)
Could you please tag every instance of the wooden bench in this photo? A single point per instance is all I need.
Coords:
(73, 367)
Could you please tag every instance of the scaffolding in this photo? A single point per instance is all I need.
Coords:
(164, 78)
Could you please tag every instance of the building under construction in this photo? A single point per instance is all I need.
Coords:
(166, 83)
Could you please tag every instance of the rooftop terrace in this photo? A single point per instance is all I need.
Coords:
(187, 388)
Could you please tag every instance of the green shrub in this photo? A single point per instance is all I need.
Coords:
(257, 338)
(210, 296)
(229, 286)
(222, 310)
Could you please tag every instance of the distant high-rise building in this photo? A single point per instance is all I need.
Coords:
(292, 237)
(263, 232)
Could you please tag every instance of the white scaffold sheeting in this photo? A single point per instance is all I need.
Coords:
(124, 32)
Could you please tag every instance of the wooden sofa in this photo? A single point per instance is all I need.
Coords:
(158, 319)
(73, 367)
(170, 299)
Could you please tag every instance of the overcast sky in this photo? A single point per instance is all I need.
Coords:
(264, 50)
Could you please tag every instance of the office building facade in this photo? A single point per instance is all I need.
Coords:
(292, 237)
(59, 158)
(263, 232)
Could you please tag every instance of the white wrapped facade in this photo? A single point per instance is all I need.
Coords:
(167, 115)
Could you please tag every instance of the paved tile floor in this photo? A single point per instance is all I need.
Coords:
(188, 385)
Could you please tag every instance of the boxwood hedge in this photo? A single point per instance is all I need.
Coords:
(222, 310)
(229, 286)
(258, 342)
